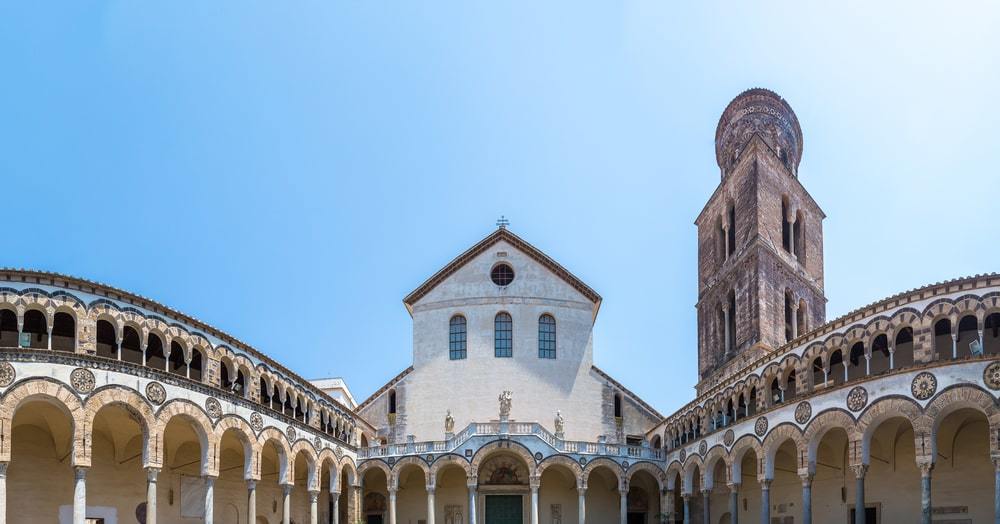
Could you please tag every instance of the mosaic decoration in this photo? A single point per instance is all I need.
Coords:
(803, 412)
(156, 393)
(290, 431)
(760, 427)
(684, 454)
(213, 407)
(82, 380)
(991, 376)
(703, 448)
(728, 438)
(538, 455)
(256, 422)
(857, 399)
(7, 374)
(924, 386)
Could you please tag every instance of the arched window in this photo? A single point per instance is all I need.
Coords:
(194, 367)
(392, 401)
(818, 373)
(732, 230)
(154, 353)
(789, 317)
(503, 335)
(130, 350)
(942, 339)
(176, 358)
(618, 405)
(789, 392)
(902, 354)
(838, 369)
(968, 335)
(457, 338)
(8, 329)
(752, 405)
(859, 364)
(107, 342)
(265, 396)
(786, 230)
(777, 396)
(880, 355)
(546, 336)
(35, 330)
(991, 334)
(63, 332)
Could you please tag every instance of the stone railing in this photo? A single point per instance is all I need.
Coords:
(507, 430)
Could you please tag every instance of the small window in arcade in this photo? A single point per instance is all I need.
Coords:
(502, 274)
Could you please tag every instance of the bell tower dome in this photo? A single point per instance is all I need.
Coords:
(760, 240)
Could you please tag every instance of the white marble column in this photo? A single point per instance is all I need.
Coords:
(80, 496)
(734, 502)
(286, 504)
(806, 498)
(623, 505)
(392, 506)
(765, 501)
(472, 483)
(151, 474)
(252, 501)
(859, 493)
(430, 504)
(314, 507)
(209, 499)
(533, 486)
(335, 507)
(581, 490)
(3, 492)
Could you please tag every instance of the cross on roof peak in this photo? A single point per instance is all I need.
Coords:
(502, 222)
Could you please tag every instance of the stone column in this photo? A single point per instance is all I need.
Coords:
(996, 490)
(581, 490)
(765, 501)
(472, 483)
(151, 474)
(80, 495)
(335, 507)
(892, 356)
(314, 507)
(725, 320)
(534, 485)
(209, 499)
(252, 501)
(666, 504)
(49, 335)
(687, 507)
(623, 505)
(859, 492)
(286, 504)
(3, 492)
(734, 502)
(954, 345)
(706, 497)
(392, 505)
(806, 498)
(925, 491)
(795, 319)
(430, 504)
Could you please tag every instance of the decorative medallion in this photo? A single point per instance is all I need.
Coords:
(339, 452)
(82, 380)
(538, 455)
(857, 399)
(991, 376)
(290, 431)
(803, 412)
(213, 407)
(429, 458)
(760, 427)
(583, 461)
(256, 422)
(703, 448)
(924, 386)
(7, 374)
(318, 443)
(728, 438)
(625, 464)
(684, 454)
(155, 393)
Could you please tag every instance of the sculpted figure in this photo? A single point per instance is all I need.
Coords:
(505, 400)
(560, 423)
(449, 423)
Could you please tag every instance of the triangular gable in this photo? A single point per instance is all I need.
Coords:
(501, 234)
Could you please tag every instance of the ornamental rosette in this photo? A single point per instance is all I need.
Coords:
(82, 380)
(857, 399)
(7, 374)
(760, 427)
(924, 386)
(728, 438)
(213, 407)
(803, 412)
(156, 393)
(991, 376)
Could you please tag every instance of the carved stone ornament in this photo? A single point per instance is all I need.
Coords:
(318, 443)
(156, 393)
(449, 423)
(857, 399)
(991, 376)
(729, 438)
(506, 399)
(559, 422)
(213, 407)
(703, 448)
(803, 412)
(683, 454)
(256, 422)
(7, 374)
(82, 380)
(290, 431)
(760, 427)
(924, 386)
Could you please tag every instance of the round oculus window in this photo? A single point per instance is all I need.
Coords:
(502, 274)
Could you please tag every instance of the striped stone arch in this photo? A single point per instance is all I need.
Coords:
(275, 437)
(991, 303)
(693, 461)
(348, 467)
(940, 308)
(54, 393)
(134, 404)
(788, 364)
(448, 460)
(854, 334)
(775, 438)
(615, 468)
(961, 397)
(648, 467)
(304, 446)
(970, 304)
(418, 462)
(739, 450)
(564, 461)
(503, 446)
(194, 415)
(371, 464)
(244, 433)
(820, 426)
(674, 471)
(884, 409)
(902, 318)
(328, 458)
(880, 325)
(712, 458)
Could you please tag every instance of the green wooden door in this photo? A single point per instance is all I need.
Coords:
(503, 509)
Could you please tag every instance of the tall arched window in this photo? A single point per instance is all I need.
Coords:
(457, 337)
(546, 336)
(503, 335)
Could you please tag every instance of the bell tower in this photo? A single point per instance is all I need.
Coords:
(760, 240)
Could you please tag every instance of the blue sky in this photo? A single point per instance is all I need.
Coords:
(287, 172)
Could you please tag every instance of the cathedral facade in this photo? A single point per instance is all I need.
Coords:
(118, 409)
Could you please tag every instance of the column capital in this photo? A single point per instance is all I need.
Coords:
(925, 469)
(807, 479)
(251, 484)
(472, 482)
(995, 458)
(287, 489)
(859, 470)
(3, 469)
(151, 473)
(534, 482)
(430, 489)
(706, 492)
(80, 472)
(313, 496)
(581, 486)
(733, 486)
(765, 483)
